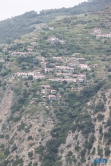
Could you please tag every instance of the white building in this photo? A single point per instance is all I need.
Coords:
(97, 31)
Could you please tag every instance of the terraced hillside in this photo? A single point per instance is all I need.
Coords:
(55, 94)
(14, 28)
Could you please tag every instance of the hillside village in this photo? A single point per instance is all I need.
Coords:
(55, 107)
(71, 70)
(62, 68)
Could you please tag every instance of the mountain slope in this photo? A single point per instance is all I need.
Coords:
(15, 27)
(90, 6)
(55, 94)
(84, 7)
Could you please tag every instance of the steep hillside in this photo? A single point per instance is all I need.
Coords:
(15, 27)
(55, 94)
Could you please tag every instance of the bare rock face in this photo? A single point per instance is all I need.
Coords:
(5, 106)
(70, 153)
(26, 130)
(23, 131)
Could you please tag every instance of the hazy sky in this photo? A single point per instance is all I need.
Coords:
(11, 8)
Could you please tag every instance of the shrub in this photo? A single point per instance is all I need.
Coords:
(30, 138)
(39, 150)
(18, 161)
(1, 136)
(93, 151)
(107, 151)
(6, 152)
(83, 153)
(21, 126)
(69, 154)
(30, 164)
(100, 151)
(99, 107)
(35, 164)
(100, 117)
(30, 154)
(14, 147)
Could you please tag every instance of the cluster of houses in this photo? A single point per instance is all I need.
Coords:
(66, 72)
(62, 69)
(76, 78)
(99, 34)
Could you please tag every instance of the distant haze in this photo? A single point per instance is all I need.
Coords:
(11, 8)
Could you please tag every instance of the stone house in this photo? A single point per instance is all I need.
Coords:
(52, 97)
(53, 40)
(97, 31)
(34, 74)
(103, 36)
(53, 91)
(64, 69)
(84, 66)
(45, 89)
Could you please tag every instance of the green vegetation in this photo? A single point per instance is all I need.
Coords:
(15, 27)
(55, 88)
(18, 161)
